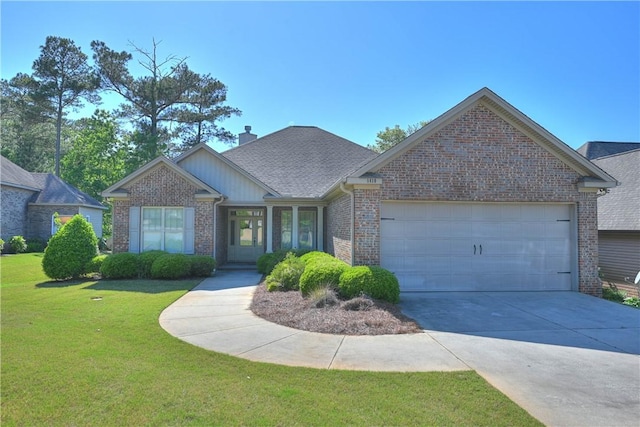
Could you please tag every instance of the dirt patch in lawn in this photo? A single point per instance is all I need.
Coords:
(359, 316)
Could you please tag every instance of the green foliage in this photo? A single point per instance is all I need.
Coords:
(35, 245)
(266, 262)
(316, 256)
(323, 296)
(373, 281)
(390, 137)
(1, 245)
(70, 250)
(17, 244)
(286, 275)
(632, 301)
(146, 260)
(202, 265)
(613, 294)
(321, 271)
(96, 263)
(120, 266)
(171, 266)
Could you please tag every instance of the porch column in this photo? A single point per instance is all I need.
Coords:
(320, 237)
(294, 227)
(269, 228)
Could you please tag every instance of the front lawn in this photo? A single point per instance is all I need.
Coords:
(93, 353)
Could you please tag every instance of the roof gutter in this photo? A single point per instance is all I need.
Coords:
(352, 222)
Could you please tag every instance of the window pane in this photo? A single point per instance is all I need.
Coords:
(246, 232)
(259, 231)
(152, 218)
(151, 240)
(306, 229)
(173, 219)
(285, 226)
(173, 242)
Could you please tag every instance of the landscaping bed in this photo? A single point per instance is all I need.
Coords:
(358, 316)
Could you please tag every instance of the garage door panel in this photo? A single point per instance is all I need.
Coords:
(392, 229)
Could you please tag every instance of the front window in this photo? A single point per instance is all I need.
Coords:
(306, 229)
(62, 220)
(163, 229)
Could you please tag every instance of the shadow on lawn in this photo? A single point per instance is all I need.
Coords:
(144, 286)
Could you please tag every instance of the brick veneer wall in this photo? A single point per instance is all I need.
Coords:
(13, 212)
(479, 158)
(40, 219)
(338, 242)
(163, 187)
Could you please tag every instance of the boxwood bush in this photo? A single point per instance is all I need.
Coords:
(321, 271)
(171, 266)
(146, 260)
(202, 265)
(373, 281)
(286, 275)
(70, 250)
(120, 266)
(268, 261)
(96, 263)
(316, 256)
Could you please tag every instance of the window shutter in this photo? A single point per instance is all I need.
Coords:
(134, 229)
(189, 230)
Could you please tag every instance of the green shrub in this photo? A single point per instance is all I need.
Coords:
(171, 266)
(268, 261)
(146, 260)
(613, 294)
(286, 275)
(321, 272)
(373, 281)
(1, 245)
(70, 250)
(202, 265)
(35, 245)
(316, 256)
(17, 244)
(632, 301)
(120, 266)
(96, 263)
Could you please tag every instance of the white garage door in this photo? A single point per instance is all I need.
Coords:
(478, 247)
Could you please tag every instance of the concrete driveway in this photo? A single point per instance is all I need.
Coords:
(567, 358)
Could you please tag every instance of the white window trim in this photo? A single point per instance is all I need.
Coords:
(163, 228)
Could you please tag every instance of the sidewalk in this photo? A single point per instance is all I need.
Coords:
(215, 315)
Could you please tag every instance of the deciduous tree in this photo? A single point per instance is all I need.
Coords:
(390, 137)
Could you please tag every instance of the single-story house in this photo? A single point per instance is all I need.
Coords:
(619, 210)
(481, 198)
(30, 200)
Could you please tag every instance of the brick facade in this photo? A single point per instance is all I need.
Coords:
(163, 187)
(479, 157)
(40, 219)
(338, 241)
(13, 212)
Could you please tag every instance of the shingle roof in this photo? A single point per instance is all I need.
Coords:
(596, 149)
(13, 175)
(620, 208)
(56, 191)
(300, 161)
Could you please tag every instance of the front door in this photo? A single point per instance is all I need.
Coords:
(246, 235)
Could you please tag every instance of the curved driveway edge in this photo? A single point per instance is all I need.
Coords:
(215, 315)
(567, 358)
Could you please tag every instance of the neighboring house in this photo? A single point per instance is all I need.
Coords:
(619, 210)
(481, 198)
(30, 200)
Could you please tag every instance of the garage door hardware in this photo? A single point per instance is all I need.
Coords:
(474, 249)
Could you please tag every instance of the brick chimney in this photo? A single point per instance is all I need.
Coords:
(246, 136)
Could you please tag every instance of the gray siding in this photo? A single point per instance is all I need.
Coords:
(619, 254)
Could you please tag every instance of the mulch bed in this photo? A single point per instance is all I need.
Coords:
(359, 316)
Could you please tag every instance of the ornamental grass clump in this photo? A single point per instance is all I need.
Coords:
(70, 251)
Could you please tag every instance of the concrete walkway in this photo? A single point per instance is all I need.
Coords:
(222, 321)
(566, 358)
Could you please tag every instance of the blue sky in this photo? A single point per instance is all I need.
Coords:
(354, 68)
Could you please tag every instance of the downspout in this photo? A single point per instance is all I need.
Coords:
(215, 224)
(352, 222)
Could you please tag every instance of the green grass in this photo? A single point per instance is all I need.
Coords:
(69, 359)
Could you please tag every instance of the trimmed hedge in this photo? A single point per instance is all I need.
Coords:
(120, 266)
(316, 256)
(286, 275)
(171, 266)
(202, 265)
(146, 260)
(321, 271)
(96, 263)
(267, 262)
(70, 250)
(373, 281)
